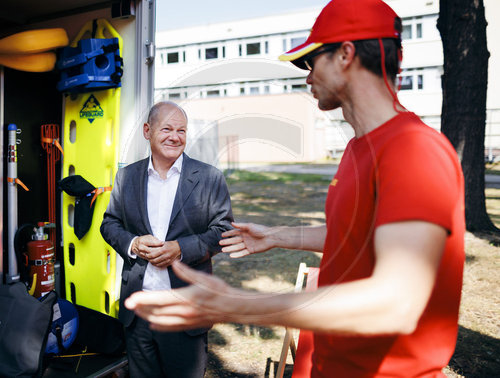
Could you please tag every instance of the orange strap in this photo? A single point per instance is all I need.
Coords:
(53, 141)
(98, 191)
(18, 182)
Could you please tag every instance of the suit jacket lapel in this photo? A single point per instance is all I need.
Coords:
(187, 182)
(143, 194)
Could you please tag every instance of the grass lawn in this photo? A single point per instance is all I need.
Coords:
(294, 199)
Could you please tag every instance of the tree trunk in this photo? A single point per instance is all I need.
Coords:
(462, 25)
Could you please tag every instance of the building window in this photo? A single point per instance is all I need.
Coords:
(299, 87)
(406, 34)
(199, 53)
(183, 56)
(254, 90)
(242, 91)
(253, 48)
(266, 89)
(412, 80)
(174, 95)
(266, 48)
(240, 50)
(284, 45)
(406, 82)
(412, 28)
(297, 41)
(173, 57)
(223, 51)
(213, 93)
(211, 53)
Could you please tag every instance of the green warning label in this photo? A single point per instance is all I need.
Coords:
(91, 109)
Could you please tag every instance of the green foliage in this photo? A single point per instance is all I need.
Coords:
(279, 177)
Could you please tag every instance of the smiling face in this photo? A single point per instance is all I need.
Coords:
(166, 134)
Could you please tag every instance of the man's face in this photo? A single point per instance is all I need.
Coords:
(167, 134)
(325, 80)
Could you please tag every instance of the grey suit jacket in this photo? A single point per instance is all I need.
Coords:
(201, 212)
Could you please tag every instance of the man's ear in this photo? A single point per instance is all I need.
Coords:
(146, 131)
(347, 53)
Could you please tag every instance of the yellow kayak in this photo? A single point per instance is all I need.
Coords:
(34, 41)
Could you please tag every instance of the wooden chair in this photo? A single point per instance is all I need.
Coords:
(301, 355)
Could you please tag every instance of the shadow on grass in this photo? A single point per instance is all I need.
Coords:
(470, 258)
(217, 369)
(493, 237)
(476, 355)
(264, 333)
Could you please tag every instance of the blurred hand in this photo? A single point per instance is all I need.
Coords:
(201, 304)
(246, 239)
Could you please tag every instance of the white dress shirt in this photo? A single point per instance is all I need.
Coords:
(161, 195)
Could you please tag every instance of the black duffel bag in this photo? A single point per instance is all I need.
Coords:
(24, 326)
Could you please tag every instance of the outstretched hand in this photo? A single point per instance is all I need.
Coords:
(201, 304)
(246, 239)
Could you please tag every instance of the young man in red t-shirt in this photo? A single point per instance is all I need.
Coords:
(391, 273)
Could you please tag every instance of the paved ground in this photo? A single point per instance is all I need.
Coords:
(491, 181)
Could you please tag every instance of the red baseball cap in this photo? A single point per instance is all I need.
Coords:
(348, 20)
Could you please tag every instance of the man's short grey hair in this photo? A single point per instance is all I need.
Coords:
(153, 112)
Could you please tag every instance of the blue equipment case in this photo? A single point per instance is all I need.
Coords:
(93, 65)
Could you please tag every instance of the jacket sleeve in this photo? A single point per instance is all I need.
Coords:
(113, 228)
(197, 248)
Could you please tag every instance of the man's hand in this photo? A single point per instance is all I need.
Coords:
(246, 239)
(159, 253)
(144, 245)
(164, 256)
(201, 304)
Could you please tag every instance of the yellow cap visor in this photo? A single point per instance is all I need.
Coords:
(296, 54)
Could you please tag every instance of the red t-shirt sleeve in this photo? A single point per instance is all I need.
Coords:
(417, 180)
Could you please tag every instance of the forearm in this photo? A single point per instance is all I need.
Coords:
(311, 238)
(391, 300)
(356, 308)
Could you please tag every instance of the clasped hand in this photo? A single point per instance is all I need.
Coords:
(159, 253)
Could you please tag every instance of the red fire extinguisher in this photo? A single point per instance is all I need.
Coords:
(41, 262)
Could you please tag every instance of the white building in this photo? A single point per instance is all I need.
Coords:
(250, 108)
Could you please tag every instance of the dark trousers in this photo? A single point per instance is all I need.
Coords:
(164, 354)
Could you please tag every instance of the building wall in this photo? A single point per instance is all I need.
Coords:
(256, 129)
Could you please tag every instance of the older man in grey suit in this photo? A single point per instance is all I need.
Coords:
(164, 208)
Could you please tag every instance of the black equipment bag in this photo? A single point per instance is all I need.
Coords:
(24, 326)
(81, 189)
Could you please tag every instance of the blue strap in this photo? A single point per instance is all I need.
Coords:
(72, 82)
(82, 79)
(82, 58)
